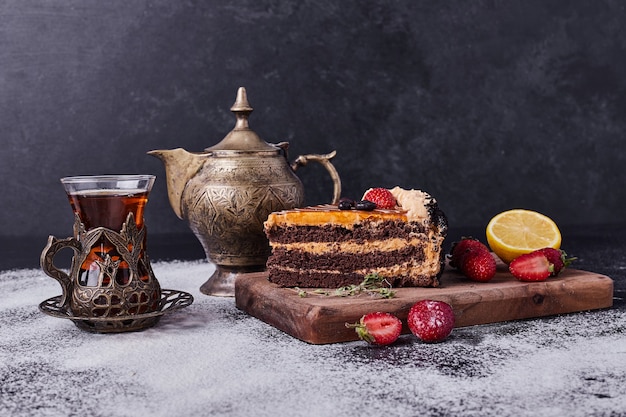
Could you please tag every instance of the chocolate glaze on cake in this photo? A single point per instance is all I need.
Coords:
(324, 247)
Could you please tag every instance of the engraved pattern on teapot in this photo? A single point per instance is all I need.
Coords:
(229, 215)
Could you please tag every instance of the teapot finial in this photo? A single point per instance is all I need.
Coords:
(242, 138)
(242, 109)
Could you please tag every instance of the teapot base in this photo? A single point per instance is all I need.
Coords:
(222, 281)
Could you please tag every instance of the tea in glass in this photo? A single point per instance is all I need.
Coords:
(106, 201)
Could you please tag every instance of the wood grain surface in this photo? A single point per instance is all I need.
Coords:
(320, 319)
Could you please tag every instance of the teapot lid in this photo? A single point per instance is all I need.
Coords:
(242, 138)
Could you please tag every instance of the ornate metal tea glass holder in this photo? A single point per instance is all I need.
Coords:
(122, 294)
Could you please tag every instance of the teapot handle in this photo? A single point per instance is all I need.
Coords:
(325, 161)
(47, 264)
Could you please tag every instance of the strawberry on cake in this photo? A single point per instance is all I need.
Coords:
(397, 234)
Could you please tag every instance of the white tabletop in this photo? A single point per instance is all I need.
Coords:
(213, 359)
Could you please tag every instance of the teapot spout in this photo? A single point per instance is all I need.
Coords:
(180, 167)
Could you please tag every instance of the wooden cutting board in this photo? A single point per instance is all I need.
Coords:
(321, 319)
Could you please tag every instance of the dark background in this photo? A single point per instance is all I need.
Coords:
(487, 105)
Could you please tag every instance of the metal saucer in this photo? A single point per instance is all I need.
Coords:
(171, 300)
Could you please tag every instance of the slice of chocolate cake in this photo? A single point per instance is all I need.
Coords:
(325, 247)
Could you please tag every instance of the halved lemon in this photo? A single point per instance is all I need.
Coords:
(515, 232)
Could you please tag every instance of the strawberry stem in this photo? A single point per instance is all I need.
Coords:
(361, 331)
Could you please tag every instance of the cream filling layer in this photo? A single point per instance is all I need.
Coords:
(403, 269)
(320, 248)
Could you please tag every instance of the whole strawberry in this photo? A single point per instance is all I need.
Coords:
(473, 259)
(478, 265)
(431, 321)
(378, 328)
(460, 248)
(531, 267)
(558, 258)
(382, 197)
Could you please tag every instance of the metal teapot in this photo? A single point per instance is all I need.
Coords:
(226, 192)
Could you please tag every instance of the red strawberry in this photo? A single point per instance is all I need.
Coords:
(532, 266)
(431, 321)
(460, 248)
(558, 258)
(478, 265)
(382, 197)
(378, 328)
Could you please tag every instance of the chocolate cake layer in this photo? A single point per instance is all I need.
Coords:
(343, 262)
(312, 279)
(315, 279)
(338, 233)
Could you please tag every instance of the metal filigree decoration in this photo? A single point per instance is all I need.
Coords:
(125, 284)
(111, 286)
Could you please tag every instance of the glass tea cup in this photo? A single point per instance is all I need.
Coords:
(110, 274)
(106, 200)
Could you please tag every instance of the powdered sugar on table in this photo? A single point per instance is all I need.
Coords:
(213, 359)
